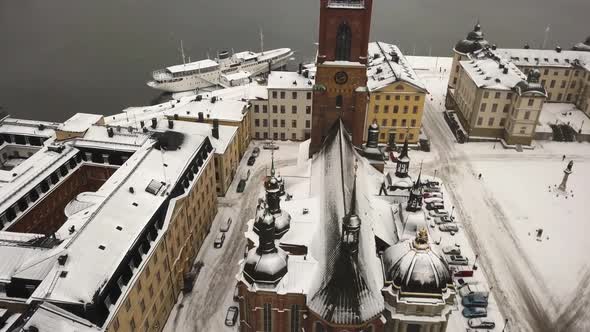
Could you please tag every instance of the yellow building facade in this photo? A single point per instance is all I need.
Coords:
(398, 110)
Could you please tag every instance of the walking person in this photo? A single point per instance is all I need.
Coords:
(563, 158)
(479, 176)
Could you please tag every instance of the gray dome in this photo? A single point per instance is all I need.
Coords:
(282, 223)
(475, 41)
(267, 268)
(414, 267)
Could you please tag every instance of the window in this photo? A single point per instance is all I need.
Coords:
(275, 108)
(264, 122)
(267, 319)
(531, 101)
(552, 85)
(387, 97)
(569, 97)
(274, 94)
(293, 123)
(307, 124)
(506, 108)
(142, 305)
(294, 95)
(384, 122)
(339, 101)
(256, 108)
(282, 123)
(309, 96)
(283, 136)
(405, 109)
(282, 109)
(555, 73)
(343, 42)
(382, 136)
(151, 290)
(395, 109)
(567, 72)
(573, 85)
(293, 136)
(275, 136)
(497, 95)
(404, 121)
(559, 96)
(546, 72)
(416, 98)
(527, 115)
(376, 109)
(377, 97)
(415, 110)
(490, 122)
(265, 135)
(256, 123)
(479, 121)
(523, 130)
(410, 136)
(413, 122)
(264, 108)
(257, 135)
(283, 94)
(295, 318)
(486, 94)
(494, 108)
(543, 82)
(407, 97)
(482, 108)
(397, 97)
(132, 324)
(275, 123)
(563, 83)
(413, 328)
(394, 122)
(502, 122)
(294, 109)
(386, 109)
(307, 109)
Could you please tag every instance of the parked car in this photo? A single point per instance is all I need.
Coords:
(475, 312)
(225, 225)
(462, 271)
(231, 316)
(438, 213)
(479, 323)
(431, 189)
(241, 186)
(474, 289)
(430, 200)
(432, 194)
(451, 227)
(435, 206)
(475, 300)
(457, 260)
(256, 152)
(443, 220)
(219, 239)
(270, 146)
(451, 250)
(251, 160)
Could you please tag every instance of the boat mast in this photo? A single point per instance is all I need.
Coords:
(182, 52)
(261, 41)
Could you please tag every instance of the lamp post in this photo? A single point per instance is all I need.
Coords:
(434, 179)
(474, 267)
(505, 325)
(452, 210)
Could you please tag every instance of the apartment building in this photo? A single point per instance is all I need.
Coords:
(495, 100)
(286, 113)
(134, 206)
(397, 95)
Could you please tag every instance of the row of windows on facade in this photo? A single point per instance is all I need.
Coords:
(275, 123)
(397, 97)
(402, 123)
(400, 136)
(281, 136)
(22, 140)
(377, 108)
(275, 109)
(294, 95)
(483, 106)
(556, 73)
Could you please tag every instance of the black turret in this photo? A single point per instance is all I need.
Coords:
(415, 200)
(373, 135)
(403, 162)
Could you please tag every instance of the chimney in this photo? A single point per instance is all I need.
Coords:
(215, 129)
(110, 131)
(505, 70)
(213, 100)
(199, 98)
(142, 124)
(154, 123)
(526, 46)
(170, 124)
(494, 47)
(175, 116)
(201, 119)
(300, 68)
(558, 49)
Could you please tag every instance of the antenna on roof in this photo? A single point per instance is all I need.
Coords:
(546, 36)
(182, 52)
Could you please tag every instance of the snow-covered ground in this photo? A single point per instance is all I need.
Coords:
(560, 113)
(542, 286)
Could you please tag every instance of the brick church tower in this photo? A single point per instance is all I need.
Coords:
(341, 78)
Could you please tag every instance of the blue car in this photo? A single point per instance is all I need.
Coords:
(473, 301)
(475, 312)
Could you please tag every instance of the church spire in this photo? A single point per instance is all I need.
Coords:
(403, 161)
(352, 223)
(415, 200)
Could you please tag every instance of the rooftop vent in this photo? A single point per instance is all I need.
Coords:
(154, 123)
(294, 82)
(56, 148)
(131, 190)
(199, 98)
(62, 274)
(101, 247)
(213, 100)
(62, 259)
(558, 49)
(505, 70)
(215, 129)
(494, 47)
(200, 118)
(141, 124)
(119, 228)
(134, 204)
(145, 130)
(170, 124)
(379, 70)
(154, 187)
(498, 80)
(41, 126)
(110, 132)
(526, 46)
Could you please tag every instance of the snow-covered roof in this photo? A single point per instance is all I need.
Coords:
(244, 92)
(102, 238)
(488, 73)
(285, 80)
(222, 109)
(49, 317)
(197, 65)
(387, 65)
(79, 122)
(543, 58)
(28, 127)
(240, 75)
(226, 133)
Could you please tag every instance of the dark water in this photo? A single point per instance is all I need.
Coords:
(60, 57)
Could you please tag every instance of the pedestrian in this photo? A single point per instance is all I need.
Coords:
(563, 158)
(479, 176)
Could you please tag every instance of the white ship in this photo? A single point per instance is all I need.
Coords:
(205, 73)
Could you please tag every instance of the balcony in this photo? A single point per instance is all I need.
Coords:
(347, 4)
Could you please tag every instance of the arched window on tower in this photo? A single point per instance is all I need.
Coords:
(338, 101)
(319, 327)
(343, 41)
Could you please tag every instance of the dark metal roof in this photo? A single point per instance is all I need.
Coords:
(346, 295)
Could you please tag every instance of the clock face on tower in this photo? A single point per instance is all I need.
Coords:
(341, 77)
